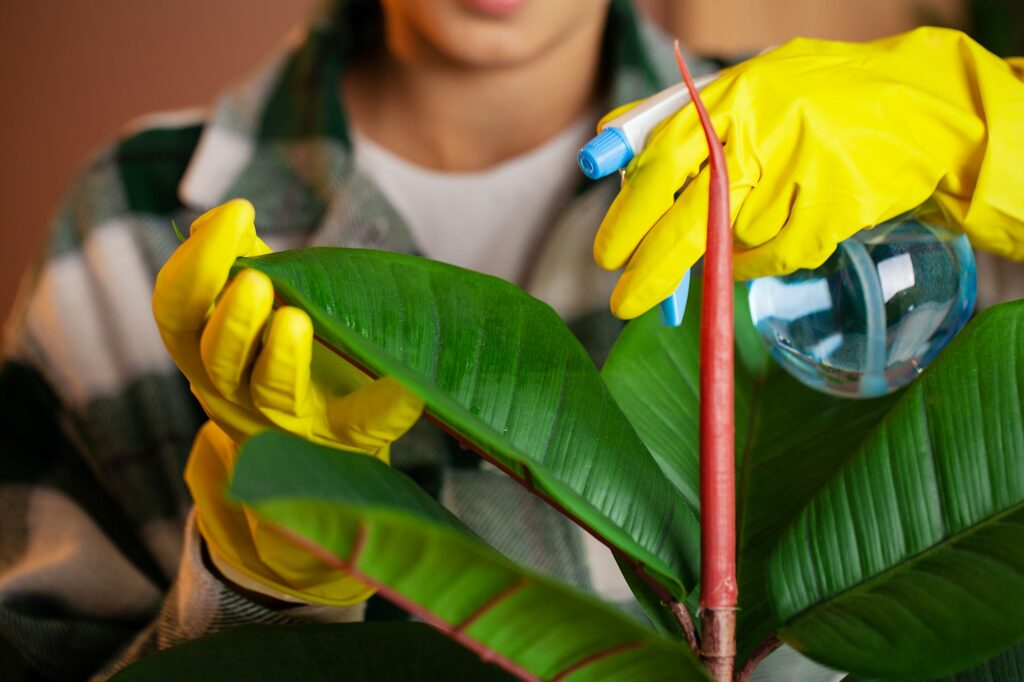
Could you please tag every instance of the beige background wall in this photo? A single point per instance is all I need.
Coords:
(73, 72)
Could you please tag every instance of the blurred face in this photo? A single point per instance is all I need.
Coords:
(487, 33)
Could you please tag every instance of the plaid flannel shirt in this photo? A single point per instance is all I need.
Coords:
(99, 562)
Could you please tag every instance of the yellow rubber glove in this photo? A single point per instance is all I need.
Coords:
(254, 369)
(244, 549)
(823, 139)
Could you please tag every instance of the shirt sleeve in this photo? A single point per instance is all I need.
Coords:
(99, 561)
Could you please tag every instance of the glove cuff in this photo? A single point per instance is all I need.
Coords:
(243, 581)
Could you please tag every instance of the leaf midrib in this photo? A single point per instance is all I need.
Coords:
(905, 562)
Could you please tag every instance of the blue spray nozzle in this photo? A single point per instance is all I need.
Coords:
(673, 307)
(605, 154)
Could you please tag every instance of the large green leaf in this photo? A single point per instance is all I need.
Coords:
(910, 563)
(359, 515)
(367, 652)
(1006, 667)
(789, 439)
(502, 371)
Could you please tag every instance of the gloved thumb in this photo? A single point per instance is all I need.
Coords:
(374, 415)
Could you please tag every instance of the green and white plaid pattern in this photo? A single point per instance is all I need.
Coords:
(98, 563)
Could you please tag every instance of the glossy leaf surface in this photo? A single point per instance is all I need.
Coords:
(499, 369)
(789, 439)
(369, 652)
(910, 563)
(359, 515)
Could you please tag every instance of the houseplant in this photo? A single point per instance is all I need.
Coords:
(881, 537)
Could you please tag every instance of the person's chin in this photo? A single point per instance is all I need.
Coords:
(490, 46)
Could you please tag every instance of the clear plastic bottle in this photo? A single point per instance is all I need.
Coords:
(872, 317)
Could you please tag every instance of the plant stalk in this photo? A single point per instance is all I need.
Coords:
(718, 642)
(768, 645)
(683, 616)
(719, 591)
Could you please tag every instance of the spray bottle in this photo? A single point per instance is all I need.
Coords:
(863, 324)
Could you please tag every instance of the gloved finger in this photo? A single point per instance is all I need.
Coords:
(190, 281)
(763, 214)
(817, 223)
(808, 238)
(280, 381)
(673, 245)
(791, 180)
(675, 153)
(232, 334)
(374, 415)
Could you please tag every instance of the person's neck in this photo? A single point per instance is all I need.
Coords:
(454, 117)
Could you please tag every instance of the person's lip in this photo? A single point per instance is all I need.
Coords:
(495, 7)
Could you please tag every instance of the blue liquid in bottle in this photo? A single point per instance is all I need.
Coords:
(871, 318)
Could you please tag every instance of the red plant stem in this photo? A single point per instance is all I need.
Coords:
(767, 646)
(717, 428)
(683, 616)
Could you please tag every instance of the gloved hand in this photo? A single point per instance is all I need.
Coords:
(251, 369)
(244, 549)
(823, 139)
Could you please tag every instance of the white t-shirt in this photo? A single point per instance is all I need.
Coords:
(490, 220)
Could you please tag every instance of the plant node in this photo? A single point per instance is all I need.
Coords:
(718, 642)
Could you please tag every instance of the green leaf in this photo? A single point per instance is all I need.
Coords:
(177, 232)
(653, 373)
(1006, 667)
(501, 370)
(789, 439)
(359, 515)
(910, 563)
(368, 652)
(653, 603)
